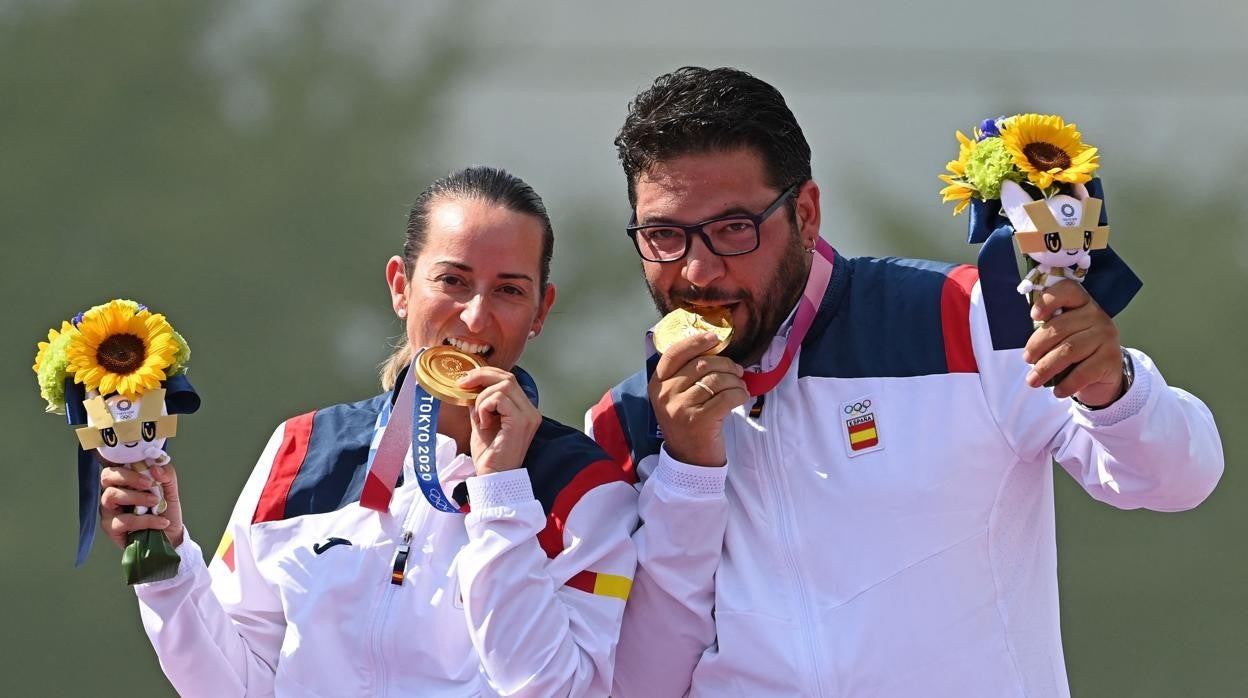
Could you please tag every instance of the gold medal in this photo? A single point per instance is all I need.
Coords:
(681, 323)
(439, 369)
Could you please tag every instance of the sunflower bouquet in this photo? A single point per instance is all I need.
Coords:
(1029, 183)
(1048, 156)
(119, 369)
(1041, 150)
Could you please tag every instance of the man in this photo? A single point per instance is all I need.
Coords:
(856, 497)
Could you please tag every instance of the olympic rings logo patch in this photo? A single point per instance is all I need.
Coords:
(858, 407)
(862, 428)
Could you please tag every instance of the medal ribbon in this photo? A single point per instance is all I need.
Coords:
(414, 422)
(425, 450)
(387, 460)
(759, 382)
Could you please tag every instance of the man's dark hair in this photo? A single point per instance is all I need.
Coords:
(698, 110)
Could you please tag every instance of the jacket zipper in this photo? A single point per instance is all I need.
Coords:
(399, 567)
(790, 554)
(398, 572)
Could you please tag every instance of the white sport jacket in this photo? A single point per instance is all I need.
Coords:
(884, 525)
(309, 594)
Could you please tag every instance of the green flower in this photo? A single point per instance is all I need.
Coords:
(989, 165)
(52, 370)
(182, 356)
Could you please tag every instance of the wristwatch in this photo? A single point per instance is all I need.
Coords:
(1128, 377)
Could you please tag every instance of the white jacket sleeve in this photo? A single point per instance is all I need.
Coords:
(546, 626)
(668, 623)
(218, 629)
(1157, 447)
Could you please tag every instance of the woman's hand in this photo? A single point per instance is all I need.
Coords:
(504, 420)
(123, 487)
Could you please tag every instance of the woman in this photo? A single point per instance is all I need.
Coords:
(313, 593)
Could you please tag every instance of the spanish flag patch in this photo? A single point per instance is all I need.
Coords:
(862, 432)
(602, 584)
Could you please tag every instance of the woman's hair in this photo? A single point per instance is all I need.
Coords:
(488, 184)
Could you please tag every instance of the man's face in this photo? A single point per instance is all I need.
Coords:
(759, 288)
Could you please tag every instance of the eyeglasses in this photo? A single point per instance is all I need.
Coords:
(726, 236)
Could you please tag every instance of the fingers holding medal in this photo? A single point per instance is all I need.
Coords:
(703, 379)
(693, 389)
(690, 343)
(503, 418)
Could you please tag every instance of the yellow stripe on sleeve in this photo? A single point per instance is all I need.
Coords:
(226, 541)
(613, 585)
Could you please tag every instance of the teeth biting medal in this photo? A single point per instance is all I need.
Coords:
(681, 323)
(438, 370)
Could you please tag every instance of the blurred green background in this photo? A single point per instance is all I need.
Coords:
(245, 168)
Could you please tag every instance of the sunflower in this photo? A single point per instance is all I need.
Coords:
(121, 347)
(958, 190)
(1048, 150)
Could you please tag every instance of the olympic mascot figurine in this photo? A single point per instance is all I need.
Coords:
(1058, 234)
(119, 368)
(1028, 181)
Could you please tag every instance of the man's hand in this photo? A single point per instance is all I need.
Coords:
(691, 395)
(123, 487)
(1082, 334)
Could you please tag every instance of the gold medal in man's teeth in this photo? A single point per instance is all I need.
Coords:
(681, 323)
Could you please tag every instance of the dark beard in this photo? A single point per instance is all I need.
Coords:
(763, 318)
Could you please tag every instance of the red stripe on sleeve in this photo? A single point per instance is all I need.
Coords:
(598, 473)
(584, 581)
(228, 557)
(286, 464)
(609, 433)
(955, 319)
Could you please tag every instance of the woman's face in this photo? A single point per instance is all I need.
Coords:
(476, 284)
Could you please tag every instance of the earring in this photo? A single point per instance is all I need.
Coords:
(532, 334)
(401, 312)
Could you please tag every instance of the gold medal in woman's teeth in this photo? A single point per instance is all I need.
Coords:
(439, 369)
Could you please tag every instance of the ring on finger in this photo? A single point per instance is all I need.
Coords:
(705, 387)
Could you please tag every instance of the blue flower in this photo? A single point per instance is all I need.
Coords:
(988, 128)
